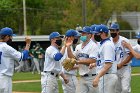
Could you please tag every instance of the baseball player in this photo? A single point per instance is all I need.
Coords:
(85, 53)
(123, 58)
(71, 75)
(134, 50)
(93, 30)
(137, 47)
(7, 57)
(106, 66)
(52, 66)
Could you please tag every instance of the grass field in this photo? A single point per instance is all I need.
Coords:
(36, 87)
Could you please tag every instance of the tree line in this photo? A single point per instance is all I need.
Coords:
(46, 16)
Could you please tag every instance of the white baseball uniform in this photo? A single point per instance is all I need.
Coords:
(51, 68)
(90, 50)
(106, 54)
(71, 75)
(124, 74)
(7, 57)
(137, 48)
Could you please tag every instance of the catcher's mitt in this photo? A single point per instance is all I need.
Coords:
(68, 63)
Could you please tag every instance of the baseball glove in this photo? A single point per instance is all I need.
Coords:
(68, 63)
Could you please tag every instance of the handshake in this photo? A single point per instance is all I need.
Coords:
(69, 63)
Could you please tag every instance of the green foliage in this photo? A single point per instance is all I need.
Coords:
(46, 16)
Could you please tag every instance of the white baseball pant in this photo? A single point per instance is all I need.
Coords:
(5, 84)
(49, 84)
(124, 80)
(71, 86)
(85, 85)
(107, 83)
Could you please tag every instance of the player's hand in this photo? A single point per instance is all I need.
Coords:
(119, 66)
(28, 40)
(92, 65)
(96, 82)
(66, 80)
(125, 44)
(68, 42)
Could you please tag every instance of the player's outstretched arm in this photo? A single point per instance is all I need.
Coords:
(127, 60)
(68, 44)
(25, 53)
(28, 42)
(86, 61)
(134, 53)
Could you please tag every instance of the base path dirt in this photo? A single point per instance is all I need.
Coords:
(25, 81)
(25, 92)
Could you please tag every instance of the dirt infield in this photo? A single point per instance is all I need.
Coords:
(25, 92)
(25, 81)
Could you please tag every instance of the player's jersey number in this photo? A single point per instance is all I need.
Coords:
(121, 55)
(98, 62)
(0, 56)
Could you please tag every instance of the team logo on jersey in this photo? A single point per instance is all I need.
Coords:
(83, 55)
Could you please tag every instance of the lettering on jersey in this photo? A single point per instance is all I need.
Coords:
(0, 57)
(83, 55)
(120, 50)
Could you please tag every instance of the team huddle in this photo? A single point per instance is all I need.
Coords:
(103, 62)
(99, 55)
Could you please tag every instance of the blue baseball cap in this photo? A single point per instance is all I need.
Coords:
(55, 35)
(102, 28)
(138, 35)
(7, 31)
(86, 29)
(114, 26)
(71, 32)
(94, 28)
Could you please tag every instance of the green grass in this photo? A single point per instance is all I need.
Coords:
(135, 84)
(31, 87)
(25, 76)
(135, 70)
(36, 87)
(27, 87)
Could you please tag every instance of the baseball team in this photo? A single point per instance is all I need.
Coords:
(103, 59)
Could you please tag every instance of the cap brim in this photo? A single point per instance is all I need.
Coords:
(84, 32)
(80, 31)
(61, 36)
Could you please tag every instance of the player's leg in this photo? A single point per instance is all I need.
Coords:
(90, 85)
(50, 84)
(5, 84)
(118, 85)
(109, 83)
(82, 87)
(71, 86)
(126, 80)
(37, 65)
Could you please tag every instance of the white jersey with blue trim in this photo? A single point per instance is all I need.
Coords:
(89, 51)
(121, 51)
(137, 48)
(7, 57)
(72, 72)
(106, 54)
(50, 64)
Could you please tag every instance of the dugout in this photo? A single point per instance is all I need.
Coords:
(43, 40)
